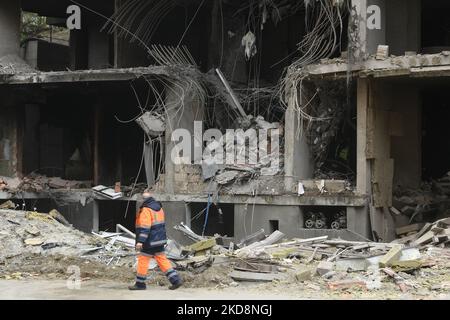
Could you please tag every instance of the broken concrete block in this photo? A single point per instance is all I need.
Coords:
(59, 217)
(209, 168)
(346, 284)
(382, 52)
(392, 256)
(202, 245)
(304, 274)
(329, 275)
(324, 267)
(32, 230)
(153, 125)
(34, 241)
(410, 254)
(359, 264)
(7, 205)
(405, 266)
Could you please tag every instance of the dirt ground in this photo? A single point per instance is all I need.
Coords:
(24, 266)
(38, 271)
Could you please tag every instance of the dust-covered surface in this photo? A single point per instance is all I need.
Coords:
(53, 250)
(19, 260)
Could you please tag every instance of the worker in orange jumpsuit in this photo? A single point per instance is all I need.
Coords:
(150, 242)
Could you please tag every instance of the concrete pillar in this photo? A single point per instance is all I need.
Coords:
(181, 114)
(298, 161)
(10, 13)
(362, 164)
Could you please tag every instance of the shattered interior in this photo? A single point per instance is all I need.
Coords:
(141, 69)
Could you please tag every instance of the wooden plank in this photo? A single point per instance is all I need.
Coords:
(409, 228)
(422, 231)
(254, 276)
(427, 237)
(255, 267)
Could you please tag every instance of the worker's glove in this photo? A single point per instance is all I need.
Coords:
(139, 246)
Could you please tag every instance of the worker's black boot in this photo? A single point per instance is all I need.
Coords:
(176, 285)
(174, 279)
(138, 286)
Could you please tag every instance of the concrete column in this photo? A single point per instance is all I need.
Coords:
(10, 13)
(362, 167)
(298, 162)
(181, 114)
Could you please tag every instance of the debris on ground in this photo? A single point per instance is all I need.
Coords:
(36, 244)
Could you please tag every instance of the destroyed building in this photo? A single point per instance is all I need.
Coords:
(361, 112)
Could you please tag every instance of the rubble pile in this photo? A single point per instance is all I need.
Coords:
(420, 206)
(32, 233)
(336, 265)
(35, 243)
(271, 164)
(37, 183)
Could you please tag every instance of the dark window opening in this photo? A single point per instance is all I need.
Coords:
(81, 132)
(435, 26)
(435, 130)
(274, 225)
(220, 219)
(112, 213)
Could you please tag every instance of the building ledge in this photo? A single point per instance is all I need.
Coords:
(87, 75)
(83, 195)
(425, 65)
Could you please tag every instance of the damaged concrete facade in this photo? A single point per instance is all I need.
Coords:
(351, 123)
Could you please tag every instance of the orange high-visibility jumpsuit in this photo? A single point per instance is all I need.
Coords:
(150, 231)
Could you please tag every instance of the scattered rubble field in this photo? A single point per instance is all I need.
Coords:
(38, 246)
